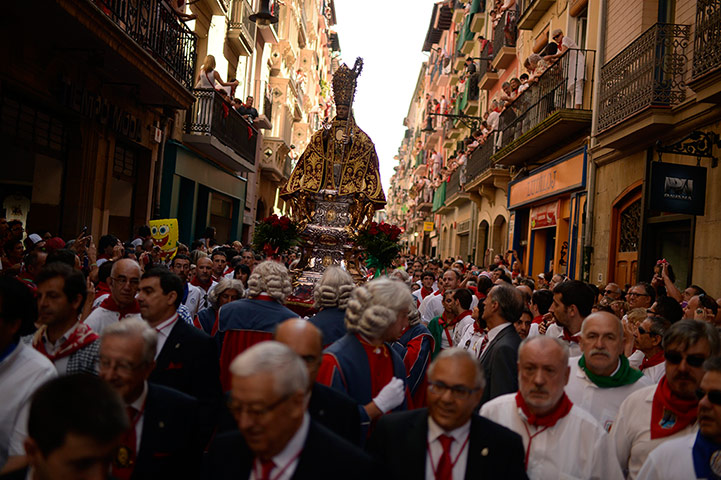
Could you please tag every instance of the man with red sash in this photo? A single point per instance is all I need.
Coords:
(71, 345)
(415, 347)
(251, 320)
(655, 414)
(449, 327)
(124, 280)
(696, 455)
(203, 279)
(427, 280)
(561, 440)
(432, 306)
(572, 302)
(602, 378)
(647, 339)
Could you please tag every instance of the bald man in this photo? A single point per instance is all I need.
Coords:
(124, 280)
(329, 407)
(203, 279)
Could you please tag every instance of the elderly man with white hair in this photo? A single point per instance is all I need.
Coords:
(561, 439)
(362, 364)
(331, 295)
(276, 438)
(251, 320)
(124, 281)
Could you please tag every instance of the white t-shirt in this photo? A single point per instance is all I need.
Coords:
(672, 460)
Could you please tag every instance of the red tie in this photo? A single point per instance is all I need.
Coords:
(445, 467)
(124, 462)
(484, 343)
(266, 466)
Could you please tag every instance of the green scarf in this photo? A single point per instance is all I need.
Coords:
(626, 375)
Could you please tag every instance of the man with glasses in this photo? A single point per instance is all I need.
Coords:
(163, 440)
(601, 378)
(656, 414)
(276, 436)
(613, 291)
(647, 339)
(694, 455)
(447, 440)
(561, 439)
(641, 295)
(124, 281)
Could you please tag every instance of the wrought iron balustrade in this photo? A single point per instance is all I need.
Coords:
(211, 115)
(505, 33)
(707, 37)
(484, 66)
(156, 28)
(480, 159)
(560, 86)
(454, 184)
(240, 13)
(647, 73)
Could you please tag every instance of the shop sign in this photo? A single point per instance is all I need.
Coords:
(678, 188)
(558, 177)
(544, 216)
(428, 226)
(511, 229)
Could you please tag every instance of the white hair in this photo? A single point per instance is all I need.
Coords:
(223, 285)
(272, 278)
(333, 289)
(543, 338)
(401, 275)
(276, 359)
(373, 307)
(461, 354)
(134, 327)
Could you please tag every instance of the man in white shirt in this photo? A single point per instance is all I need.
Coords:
(192, 295)
(601, 378)
(22, 370)
(204, 280)
(447, 441)
(695, 455)
(427, 281)
(432, 306)
(659, 413)
(121, 303)
(561, 439)
(163, 438)
(572, 302)
(647, 339)
(276, 437)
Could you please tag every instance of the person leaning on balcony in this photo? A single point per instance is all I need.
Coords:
(207, 76)
(576, 65)
(178, 7)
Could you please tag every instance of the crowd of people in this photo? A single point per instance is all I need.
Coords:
(117, 361)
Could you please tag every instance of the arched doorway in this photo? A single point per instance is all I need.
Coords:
(483, 228)
(500, 234)
(625, 234)
(260, 210)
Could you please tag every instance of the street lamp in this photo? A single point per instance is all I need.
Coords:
(264, 16)
(467, 120)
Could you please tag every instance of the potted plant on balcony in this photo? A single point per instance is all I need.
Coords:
(274, 235)
(380, 241)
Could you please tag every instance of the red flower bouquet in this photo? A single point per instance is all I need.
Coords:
(380, 241)
(275, 235)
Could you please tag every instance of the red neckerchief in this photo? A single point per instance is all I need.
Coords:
(548, 420)
(425, 292)
(81, 336)
(570, 338)
(265, 298)
(102, 288)
(462, 315)
(445, 325)
(439, 292)
(110, 304)
(477, 328)
(197, 283)
(670, 414)
(538, 319)
(649, 362)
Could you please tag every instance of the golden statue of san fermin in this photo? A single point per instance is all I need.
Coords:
(334, 189)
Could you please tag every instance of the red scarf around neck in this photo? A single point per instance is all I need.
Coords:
(102, 288)
(204, 286)
(81, 336)
(425, 292)
(110, 304)
(551, 418)
(570, 338)
(670, 414)
(649, 362)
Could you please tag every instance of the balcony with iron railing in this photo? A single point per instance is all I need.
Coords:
(504, 40)
(241, 29)
(487, 74)
(706, 72)
(550, 112)
(645, 76)
(147, 43)
(455, 192)
(466, 35)
(216, 129)
(531, 11)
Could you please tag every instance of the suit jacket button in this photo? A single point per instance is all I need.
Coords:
(177, 345)
(161, 424)
(484, 452)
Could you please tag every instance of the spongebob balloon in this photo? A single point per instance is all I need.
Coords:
(165, 236)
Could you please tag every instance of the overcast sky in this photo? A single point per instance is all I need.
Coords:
(389, 35)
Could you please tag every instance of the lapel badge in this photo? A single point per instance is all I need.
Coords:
(177, 345)
(484, 452)
(161, 424)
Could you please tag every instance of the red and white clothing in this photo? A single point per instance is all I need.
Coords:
(653, 367)
(193, 299)
(557, 331)
(574, 446)
(432, 306)
(205, 289)
(472, 339)
(422, 293)
(75, 351)
(458, 449)
(462, 322)
(632, 431)
(109, 312)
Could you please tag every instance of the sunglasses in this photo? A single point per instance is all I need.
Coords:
(714, 396)
(675, 358)
(634, 294)
(643, 331)
(609, 292)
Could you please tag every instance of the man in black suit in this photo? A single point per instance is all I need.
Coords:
(499, 350)
(163, 440)
(448, 441)
(329, 407)
(186, 358)
(277, 437)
